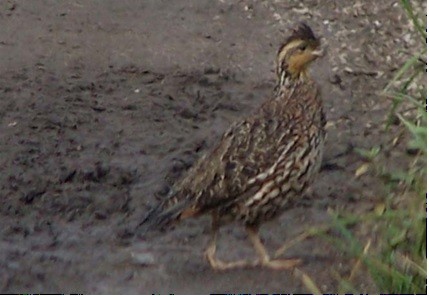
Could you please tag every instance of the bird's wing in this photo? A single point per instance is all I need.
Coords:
(247, 152)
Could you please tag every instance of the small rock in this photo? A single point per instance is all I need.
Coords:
(377, 24)
(143, 259)
(407, 38)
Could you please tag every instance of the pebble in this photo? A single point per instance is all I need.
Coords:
(143, 259)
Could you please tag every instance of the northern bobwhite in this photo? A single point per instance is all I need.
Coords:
(263, 163)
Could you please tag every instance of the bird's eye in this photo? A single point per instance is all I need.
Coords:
(303, 47)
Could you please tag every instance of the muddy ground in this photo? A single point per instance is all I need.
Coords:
(104, 104)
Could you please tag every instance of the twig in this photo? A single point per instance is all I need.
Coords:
(308, 233)
(359, 262)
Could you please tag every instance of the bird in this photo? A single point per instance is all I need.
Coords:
(263, 163)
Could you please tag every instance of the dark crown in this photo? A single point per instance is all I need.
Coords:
(302, 32)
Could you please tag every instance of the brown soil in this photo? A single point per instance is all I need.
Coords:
(103, 104)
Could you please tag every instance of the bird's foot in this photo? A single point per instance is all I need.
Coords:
(280, 264)
(275, 264)
(222, 265)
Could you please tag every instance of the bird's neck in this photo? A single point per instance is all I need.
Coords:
(287, 80)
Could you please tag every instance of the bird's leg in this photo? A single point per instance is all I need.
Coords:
(210, 252)
(264, 258)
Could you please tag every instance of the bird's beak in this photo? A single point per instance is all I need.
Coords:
(318, 53)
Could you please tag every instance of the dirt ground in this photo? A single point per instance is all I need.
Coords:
(104, 104)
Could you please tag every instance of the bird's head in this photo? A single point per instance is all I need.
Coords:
(299, 50)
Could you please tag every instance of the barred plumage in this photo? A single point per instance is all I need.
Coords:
(264, 162)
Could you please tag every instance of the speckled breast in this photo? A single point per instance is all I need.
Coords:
(284, 184)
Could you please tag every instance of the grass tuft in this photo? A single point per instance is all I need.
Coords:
(397, 260)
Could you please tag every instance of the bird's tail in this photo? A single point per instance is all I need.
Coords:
(166, 213)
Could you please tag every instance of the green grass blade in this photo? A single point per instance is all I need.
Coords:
(416, 22)
(408, 65)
